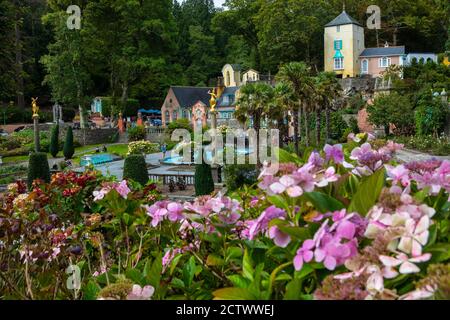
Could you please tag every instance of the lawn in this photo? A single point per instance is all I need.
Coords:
(117, 149)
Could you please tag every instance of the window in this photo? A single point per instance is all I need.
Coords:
(167, 115)
(185, 114)
(337, 44)
(175, 116)
(365, 66)
(384, 62)
(338, 28)
(227, 79)
(338, 63)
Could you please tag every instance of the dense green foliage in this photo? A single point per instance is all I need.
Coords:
(239, 175)
(135, 169)
(69, 148)
(137, 133)
(135, 49)
(38, 168)
(395, 109)
(204, 183)
(54, 141)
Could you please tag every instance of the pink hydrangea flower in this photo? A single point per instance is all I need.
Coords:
(123, 189)
(175, 211)
(280, 238)
(139, 293)
(304, 254)
(334, 152)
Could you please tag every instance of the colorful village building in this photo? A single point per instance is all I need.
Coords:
(345, 54)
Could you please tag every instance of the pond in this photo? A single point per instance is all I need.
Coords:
(178, 160)
(96, 159)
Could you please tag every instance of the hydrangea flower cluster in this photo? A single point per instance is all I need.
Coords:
(432, 174)
(295, 181)
(332, 244)
(369, 160)
(411, 222)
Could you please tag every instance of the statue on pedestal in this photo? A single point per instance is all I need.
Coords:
(35, 107)
(213, 100)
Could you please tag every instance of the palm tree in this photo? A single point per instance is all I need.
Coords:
(284, 103)
(297, 75)
(254, 102)
(330, 89)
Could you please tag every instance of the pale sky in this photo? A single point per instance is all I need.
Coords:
(219, 3)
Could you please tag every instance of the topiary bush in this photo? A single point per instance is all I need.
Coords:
(135, 169)
(69, 149)
(204, 183)
(54, 141)
(38, 168)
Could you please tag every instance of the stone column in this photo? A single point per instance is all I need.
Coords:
(37, 143)
(213, 119)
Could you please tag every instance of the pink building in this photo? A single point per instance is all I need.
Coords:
(373, 61)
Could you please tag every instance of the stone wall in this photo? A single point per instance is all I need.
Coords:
(91, 136)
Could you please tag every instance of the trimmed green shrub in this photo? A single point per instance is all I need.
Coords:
(204, 183)
(137, 133)
(69, 149)
(54, 142)
(38, 168)
(135, 169)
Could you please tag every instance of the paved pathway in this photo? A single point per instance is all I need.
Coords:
(408, 155)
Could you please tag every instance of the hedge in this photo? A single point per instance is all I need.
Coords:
(135, 169)
(38, 168)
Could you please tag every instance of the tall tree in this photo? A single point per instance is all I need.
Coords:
(297, 75)
(254, 103)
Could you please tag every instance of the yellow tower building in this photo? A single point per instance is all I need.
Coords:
(343, 43)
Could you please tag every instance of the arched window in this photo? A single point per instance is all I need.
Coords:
(364, 66)
(384, 62)
(175, 115)
(421, 60)
(185, 114)
(227, 79)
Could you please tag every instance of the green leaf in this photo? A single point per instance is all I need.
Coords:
(239, 281)
(279, 202)
(134, 275)
(214, 260)
(233, 253)
(233, 294)
(247, 267)
(91, 291)
(368, 192)
(174, 263)
(293, 290)
(189, 272)
(306, 270)
(153, 277)
(322, 202)
(295, 232)
(286, 157)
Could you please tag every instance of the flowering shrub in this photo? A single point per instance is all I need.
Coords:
(345, 222)
(140, 147)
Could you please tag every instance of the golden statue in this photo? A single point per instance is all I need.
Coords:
(35, 107)
(212, 101)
